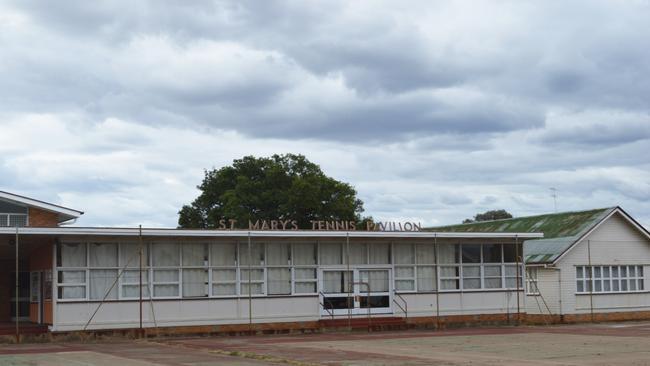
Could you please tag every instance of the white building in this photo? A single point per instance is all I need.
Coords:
(591, 265)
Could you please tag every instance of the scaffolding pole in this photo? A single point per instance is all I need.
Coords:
(16, 291)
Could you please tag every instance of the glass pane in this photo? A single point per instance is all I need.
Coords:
(492, 271)
(615, 271)
(511, 282)
(492, 253)
(165, 255)
(597, 272)
(336, 281)
(376, 279)
(449, 271)
(623, 285)
(632, 271)
(607, 286)
(195, 254)
(598, 286)
(509, 253)
(131, 291)
(511, 270)
(101, 281)
(278, 254)
(448, 253)
(496, 283)
(404, 272)
(473, 271)
(449, 284)
(426, 254)
(471, 253)
(279, 281)
(103, 254)
(331, 253)
(224, 275)
(224, 289)
(640, 285)
(606, 272)
(615, 285)
(632, 285)
(579, 272)
(134, 276)
(379, 253)
(471, 283)
(72, 254)
(256, 254)
(165, 290)
(358, 253)
(72, 292)
(623, 271)
(404, 253)
(195, 282)
(304, 254)
(72, 276)
(427, 278)
(640, 271)
(130, 255)
(165, 275)
(580, 286)
(223, 254)
(255, 289)
(305, 273)
(305, 287)
(405, 285)
(256, 275)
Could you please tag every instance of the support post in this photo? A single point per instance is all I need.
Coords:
(350, 279)
(140, 281)
(591, 281)
(435, 252)
(519, 274)
(17, 289)
(250, 296)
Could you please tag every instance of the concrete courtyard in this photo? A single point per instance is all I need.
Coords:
(590, 344)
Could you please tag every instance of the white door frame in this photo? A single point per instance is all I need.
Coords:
(357, 291)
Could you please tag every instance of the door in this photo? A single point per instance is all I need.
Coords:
(35, 294)
(355, 291)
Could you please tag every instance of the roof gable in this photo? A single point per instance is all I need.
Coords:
(64, 213)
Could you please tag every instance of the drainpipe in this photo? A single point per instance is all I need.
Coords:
(16, 294)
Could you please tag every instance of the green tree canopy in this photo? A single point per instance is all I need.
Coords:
(489, 216)
(282, 187)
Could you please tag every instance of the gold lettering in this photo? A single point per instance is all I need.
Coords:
(265, 225)
(222, 224)
(252, 226)
(321, 225)
(382, 226)
(370, 226)
(284, 224)
(274, 224)
(294, 225)
(314, 223)
(232, 224)
(408, 226)
(353, 225)
(417, 227)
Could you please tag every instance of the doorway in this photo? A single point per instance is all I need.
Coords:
(356, 291)
(22, 296)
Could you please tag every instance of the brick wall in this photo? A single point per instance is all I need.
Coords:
(41, 218)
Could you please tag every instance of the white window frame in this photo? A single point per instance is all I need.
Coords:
(589, 280)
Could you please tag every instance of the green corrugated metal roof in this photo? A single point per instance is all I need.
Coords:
(560, 230)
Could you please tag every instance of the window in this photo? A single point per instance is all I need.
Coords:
(608, 279)
(331, 253)
(426, 271)
(71, 260)
(279, 268)
(129, 259)
(304, 271)
(195, 271)
(531, 281)
(13, 220)
(404, 267)
(103, 273)
(165, 262)
(449, 268)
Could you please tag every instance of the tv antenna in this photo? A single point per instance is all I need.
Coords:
(554, 195)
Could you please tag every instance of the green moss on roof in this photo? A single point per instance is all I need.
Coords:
(560, 230)
(552, 225)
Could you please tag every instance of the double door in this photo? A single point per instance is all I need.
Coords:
(355, 291)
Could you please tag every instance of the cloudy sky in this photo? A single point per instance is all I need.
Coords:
(433, 110)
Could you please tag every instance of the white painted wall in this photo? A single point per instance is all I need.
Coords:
(549, 293)
(123, 314)
(614, 242)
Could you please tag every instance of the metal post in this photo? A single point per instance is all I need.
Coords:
(350, 280)
(250, 297)
(435, 252)
(518, 276)
(17, 289)
(140, 284)
(591, 281)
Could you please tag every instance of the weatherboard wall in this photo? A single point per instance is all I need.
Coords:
(614, 242)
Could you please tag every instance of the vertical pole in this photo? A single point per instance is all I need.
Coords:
(250, 296)
(16, 295)
(591, 281)
(140, 270)
(517, 258)
(350, 280)
(435, 252)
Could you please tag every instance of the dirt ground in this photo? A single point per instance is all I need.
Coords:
(592, 344)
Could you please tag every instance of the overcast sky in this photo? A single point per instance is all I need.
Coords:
(432, 110)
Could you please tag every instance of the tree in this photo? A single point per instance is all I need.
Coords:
(282, 187)
(489, 216)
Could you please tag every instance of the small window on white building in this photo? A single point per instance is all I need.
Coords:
(609, 279)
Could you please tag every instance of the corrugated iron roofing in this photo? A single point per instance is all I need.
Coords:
(560, 230)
